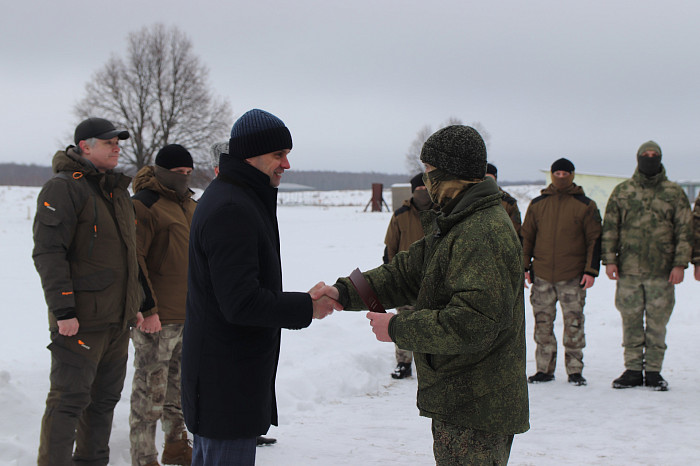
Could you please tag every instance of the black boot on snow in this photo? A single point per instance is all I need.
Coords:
(403, 370)
(540, 377)
(629, 379)
(654, 380)
(577, 379)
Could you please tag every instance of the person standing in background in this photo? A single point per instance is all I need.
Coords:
(509, 203)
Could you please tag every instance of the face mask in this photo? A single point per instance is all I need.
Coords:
(563, 183)
(649, 166)
(421, 199)
(443, 187)
(176, 181)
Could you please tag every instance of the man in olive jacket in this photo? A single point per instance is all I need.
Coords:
(646, 248)
(85, 253)
(467, 333)
(164, 208)
(561, 253)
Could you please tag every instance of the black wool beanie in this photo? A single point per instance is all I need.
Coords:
(417, 181)
(258, 132)
(562, 164)
(458, 150)
(491, 170)
(173, 156)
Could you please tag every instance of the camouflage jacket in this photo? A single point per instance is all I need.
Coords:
(85, 245)
(696, 232)
(468, 330)
(511, 205)
(404, 230)
(647, 226)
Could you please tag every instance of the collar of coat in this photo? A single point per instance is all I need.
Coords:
(649, 181)
(477, 197)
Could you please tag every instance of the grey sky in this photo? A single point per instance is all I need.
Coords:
(355, 81)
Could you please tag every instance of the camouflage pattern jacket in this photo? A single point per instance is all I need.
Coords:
(163, 236)
(647, 226)
(85, 245)
(696, 232)
(511, 205)
(468, 330)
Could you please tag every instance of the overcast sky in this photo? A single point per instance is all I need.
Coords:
(355, 81)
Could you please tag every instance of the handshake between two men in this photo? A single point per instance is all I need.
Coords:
(325, 301)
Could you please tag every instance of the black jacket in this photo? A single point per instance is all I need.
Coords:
(235, 307)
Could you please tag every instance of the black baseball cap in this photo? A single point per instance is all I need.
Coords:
(97, 128)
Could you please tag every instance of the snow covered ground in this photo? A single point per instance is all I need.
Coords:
(337, 403)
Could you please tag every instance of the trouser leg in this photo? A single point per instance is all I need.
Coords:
(456, 445)
(543, 299)
(629, 300)
(173, 422)
(572, 299)
(95, 424)
(660, 299)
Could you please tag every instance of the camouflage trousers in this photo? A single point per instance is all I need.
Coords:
(155, 391)
(456, 445)
(645, 305)
(572, 298)
(404, 356)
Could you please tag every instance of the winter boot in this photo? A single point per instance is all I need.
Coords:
(540, 377)
(654, 379)
(261, 441)
(178, 452)
(629, 379)
(403, 370)
(577, 379)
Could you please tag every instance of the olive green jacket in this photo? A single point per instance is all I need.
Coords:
(696, 232)
(85, 245)
(468, 330)
(647, 227)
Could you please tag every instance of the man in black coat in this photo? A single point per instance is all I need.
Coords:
(235, 305)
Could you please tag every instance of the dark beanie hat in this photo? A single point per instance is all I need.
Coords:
(492, 170)
(458, 150)
(173, 156)
(562, 164)
(258, 132)
(417, 181)
(649, 145)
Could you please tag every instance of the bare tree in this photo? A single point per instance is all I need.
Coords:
(413, 162)
(159, 92)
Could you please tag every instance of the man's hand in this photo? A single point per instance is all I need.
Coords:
(587, 281)
(68, 327)
(677, 275)
(380, 324)
(611, 271)
(151, 324)
(527, 279)
(697, 272)
(325, 300)
(139, 319)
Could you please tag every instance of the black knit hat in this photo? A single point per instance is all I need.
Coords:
(562, 164)
(173, 156)
(258, 132)
(417, 181)
(458, 150)
(97, 128)
(491, 170)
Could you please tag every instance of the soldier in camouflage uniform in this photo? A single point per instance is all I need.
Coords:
(508, 202)
(561, 249)
(164, 208)
(646, 248)
(467, 333)
(405, 229)
(696, 237)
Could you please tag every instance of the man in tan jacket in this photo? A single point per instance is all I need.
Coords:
(405, 229)
(561, 252)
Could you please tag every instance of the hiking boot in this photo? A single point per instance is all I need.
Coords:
(629, 379)
(403, 370)
(654, 379)
(577, 379)
(261, 441)
(540, 377)
(178, 452)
